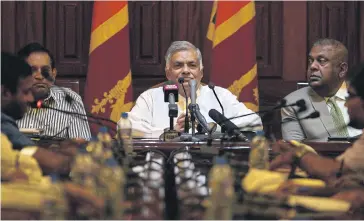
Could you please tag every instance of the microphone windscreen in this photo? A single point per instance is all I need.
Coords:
(193, 85)
(211, 85)
(315, 114)
(170, 89)
(181, 80)
(301, 105)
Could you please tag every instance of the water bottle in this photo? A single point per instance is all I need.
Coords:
(221, 184)
(259, 155)
(83, 170)
(106, 142)
(112, 180)
(125, 132)
(54, 201)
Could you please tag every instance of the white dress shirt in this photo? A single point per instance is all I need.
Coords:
(150, 113)
(339, 98)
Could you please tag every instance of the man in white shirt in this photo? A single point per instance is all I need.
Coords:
(183, 59)
(327, 70)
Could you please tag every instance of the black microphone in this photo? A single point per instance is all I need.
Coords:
(181, 80)
(200, 118)
(171, 96)
(299, 103)
(39, 104)
(212, 87)
(313, 115)
(230, 127)
(192, 106)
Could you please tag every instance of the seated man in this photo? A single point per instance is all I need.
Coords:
(53, 123)
(326, 94)
(352, 160)
(183, 59)
(16, 94)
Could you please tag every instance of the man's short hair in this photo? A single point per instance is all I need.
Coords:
(12, 70)
(356, 79)
(342, 50)
(24, 52)
(177, 46)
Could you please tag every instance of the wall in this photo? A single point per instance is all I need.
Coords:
(285, 31)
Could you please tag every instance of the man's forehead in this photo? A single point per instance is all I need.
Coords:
(324, 50)
(183, 55)
(38, 57)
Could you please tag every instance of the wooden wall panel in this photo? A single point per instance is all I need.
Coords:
(285, 32)
(338, 20)
(153, 26)
(269, 38)
(68, 35)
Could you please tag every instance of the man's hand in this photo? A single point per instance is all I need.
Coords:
(282, 146)
(285, 158)
(180, 123)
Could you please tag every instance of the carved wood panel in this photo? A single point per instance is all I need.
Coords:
(337, 20)
(153, 26)
(285, 31)
(68, 35)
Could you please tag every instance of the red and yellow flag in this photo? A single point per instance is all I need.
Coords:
(108, 90)
(232, 33)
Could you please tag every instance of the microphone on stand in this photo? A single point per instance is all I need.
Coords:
(171, 96)
(231, 128)
(300, 103)
(39, 104)
(192, 106)
(212, 87)
(181, 80)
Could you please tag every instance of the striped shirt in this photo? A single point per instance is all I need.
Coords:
(55, 123)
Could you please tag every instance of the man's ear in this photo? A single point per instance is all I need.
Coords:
(54, 74)
(166, 69)
(5, 92)
(343, 70)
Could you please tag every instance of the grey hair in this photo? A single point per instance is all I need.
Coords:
(177, 46)
(343, 51)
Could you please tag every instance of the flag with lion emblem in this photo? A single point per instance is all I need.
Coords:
(232, 33)
(108, 90)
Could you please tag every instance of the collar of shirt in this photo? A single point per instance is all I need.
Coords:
(182, 101)
(7, 118)
(341, 94)
(53, 96)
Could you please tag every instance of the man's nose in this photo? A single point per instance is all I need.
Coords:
(186, 69)
(314, 66)
(37, 74)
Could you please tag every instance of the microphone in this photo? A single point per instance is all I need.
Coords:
(300, 103)
(212, 87)
(200, 118)
(313, 115)
(230, 127)
(192, 105)
(171, 96)
(39, 104)
(181, 80)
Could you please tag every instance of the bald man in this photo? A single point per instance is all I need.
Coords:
(326, 93)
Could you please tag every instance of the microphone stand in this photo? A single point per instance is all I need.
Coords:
(192, 108)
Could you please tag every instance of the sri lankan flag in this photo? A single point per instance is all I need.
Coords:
(232, 33)
(108, 90)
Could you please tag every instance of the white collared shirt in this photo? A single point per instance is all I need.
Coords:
(55, 123)
(150, 113)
